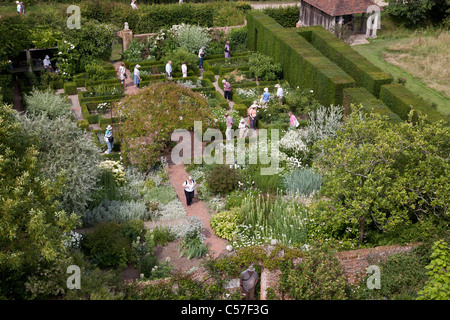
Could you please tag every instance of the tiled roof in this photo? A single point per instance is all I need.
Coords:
(341, 7)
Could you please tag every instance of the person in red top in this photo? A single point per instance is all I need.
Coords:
(226, 90)
(292, 121)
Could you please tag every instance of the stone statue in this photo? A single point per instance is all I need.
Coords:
(126, 26)
(248, 280)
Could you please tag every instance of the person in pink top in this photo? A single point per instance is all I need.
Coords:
(293, 121)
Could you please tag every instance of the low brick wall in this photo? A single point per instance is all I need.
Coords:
(354, 264)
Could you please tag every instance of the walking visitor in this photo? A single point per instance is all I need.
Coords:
(229, 123)
(242, 129)
(169, 69)
(293, 122)
(189, 190)
(109, 139)
(280, 94)
(227, 49)
(134, 4)
(252, 117)
(265, 97)
(122, 73)
(248, 280)
(137, 78)
(184, 69)
(201, 56)
(227, 90)
(47, 64)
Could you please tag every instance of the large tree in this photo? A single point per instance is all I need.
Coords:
(31, 222)
(381, 175)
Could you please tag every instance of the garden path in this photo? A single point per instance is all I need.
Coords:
(129, 84)
(177, 175)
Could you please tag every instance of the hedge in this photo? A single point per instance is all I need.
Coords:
(70, 88)
(285, 16)
(303, 65)
(400, 100)
(358, 67)
(369, 103)
(83, 124)
(242, 109)
(207, 65)
(209, 75)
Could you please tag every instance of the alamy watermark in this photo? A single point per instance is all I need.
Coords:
(374, 281)
(74, 280)
(373, 21)
(74, 21)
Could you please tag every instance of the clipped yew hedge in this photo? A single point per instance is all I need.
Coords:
(400, 100)
(358, 67)
(370, 103)
(303, 65)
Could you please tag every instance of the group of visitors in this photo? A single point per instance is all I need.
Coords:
(20, 7)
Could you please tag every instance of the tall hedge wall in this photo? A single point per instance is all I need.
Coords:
(361, 96)
(400, 100)
(358, 67)
(303, 65)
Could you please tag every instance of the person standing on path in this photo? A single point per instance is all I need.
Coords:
(137, 78)
(280, 94)
(242, 129)
(169, 69)
(226, 90)
(189, 190)
(134, 4)
(184, 69)
(248, 280)
(265, 98)
(293, 122)
(201, 56)
(122, 73)
(47, 64)
(253, 116)
(109, 139)
(229, 123)
(227, 50)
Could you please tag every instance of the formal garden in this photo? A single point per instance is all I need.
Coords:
(366, 165)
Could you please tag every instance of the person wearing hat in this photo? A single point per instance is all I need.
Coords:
(242, 129)
(22, 8)
(201, 56)
(122, 73)
(137, 78)
(189, 190)
(18, 7)
(280, 94)
(47, 64)
(109, 139)
(184, 69)
(265, 97)
(226, 90)
(248, 281)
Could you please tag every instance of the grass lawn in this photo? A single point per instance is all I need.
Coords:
(422, 60)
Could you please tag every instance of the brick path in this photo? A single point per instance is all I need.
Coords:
(177, 175)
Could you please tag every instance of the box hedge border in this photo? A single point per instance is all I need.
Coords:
(303, 65)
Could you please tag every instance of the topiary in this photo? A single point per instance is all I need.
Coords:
(222, 179)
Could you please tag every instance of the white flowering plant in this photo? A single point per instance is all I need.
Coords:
(116, 168)
(66, 59)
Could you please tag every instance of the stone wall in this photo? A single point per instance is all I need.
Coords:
(354, 264)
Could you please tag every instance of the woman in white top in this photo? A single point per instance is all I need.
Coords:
(189, 190)
(184, 69)
(122, 73)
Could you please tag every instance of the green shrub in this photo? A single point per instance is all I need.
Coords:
(222, 179)
(70, 88)
(229, 16)
(403, 275)
(107, 247)
(225, 223)
(318, 277)
(47, 103)
(161, 235)
(113, 210)
(303, 65)
(400, 100)
(263, 67)
(369, 103)
(285, 16)
(267, 183)
(209, 75)
(238, 39)
(302, 181)
(161, 194)
(242, 109)
(192, 245)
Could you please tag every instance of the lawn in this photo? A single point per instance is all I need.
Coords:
(421, 60)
